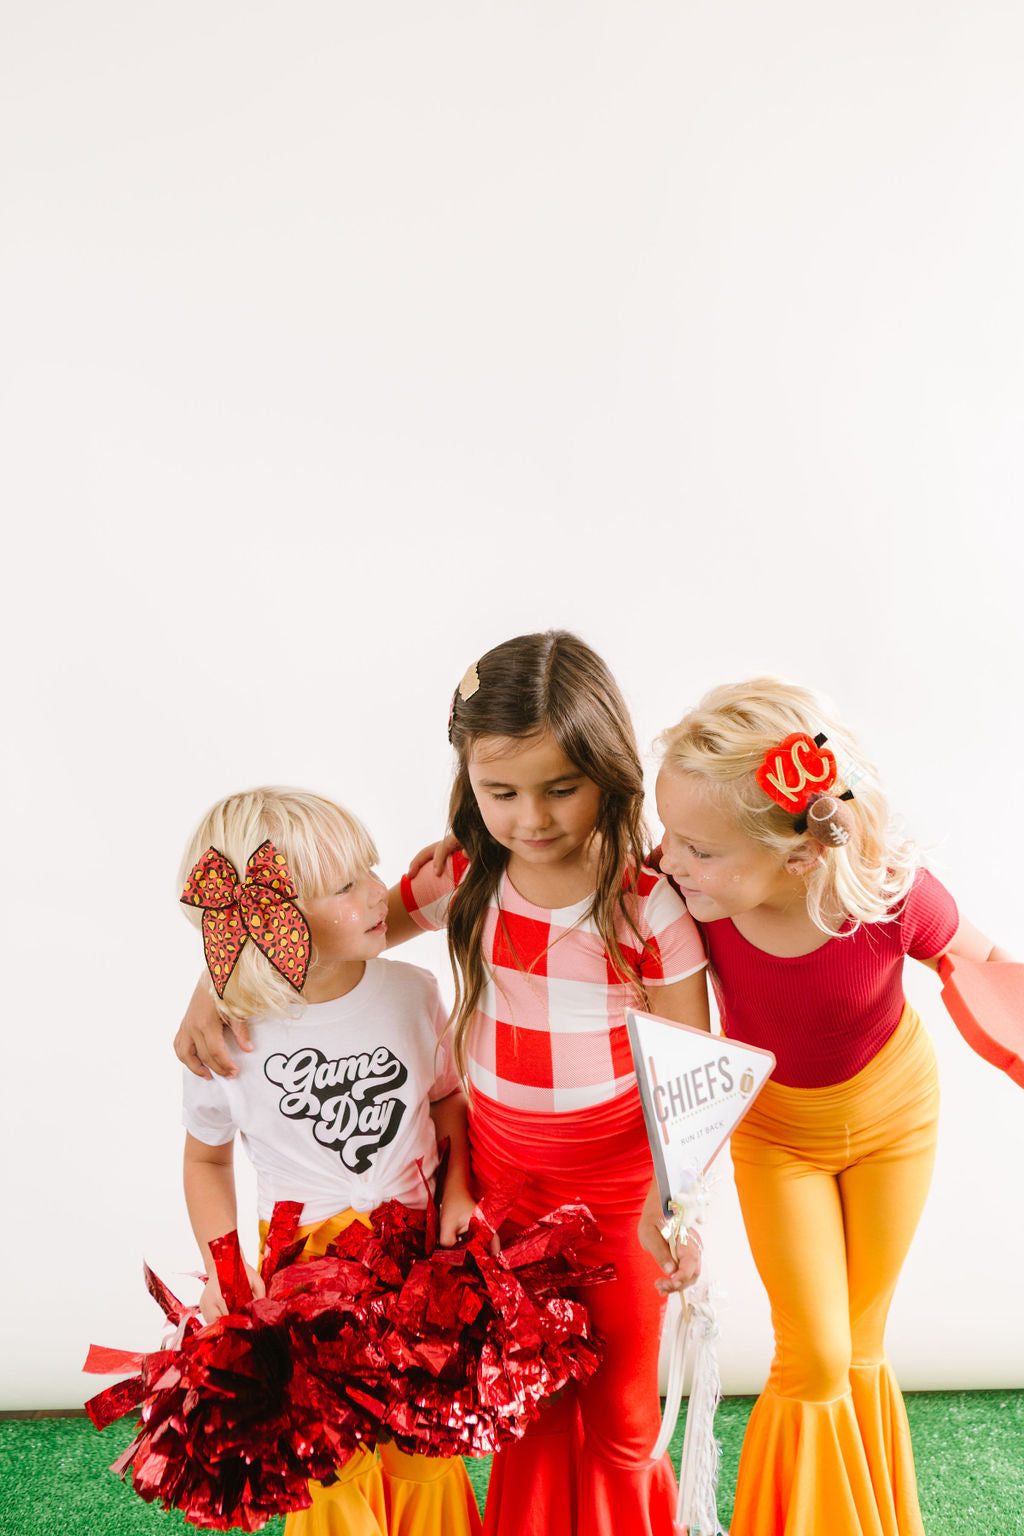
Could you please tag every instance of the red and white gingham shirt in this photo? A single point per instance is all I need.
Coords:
(550, 1033)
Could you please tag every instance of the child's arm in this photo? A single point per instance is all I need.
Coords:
(400, 922)
(210, 1197)
(678, 1272)
(430, 894)
(681, 1002)
(435, 854)
(199, 1043)
(969, 943)
(457, 1201)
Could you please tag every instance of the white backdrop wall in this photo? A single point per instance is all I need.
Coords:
(339, 343)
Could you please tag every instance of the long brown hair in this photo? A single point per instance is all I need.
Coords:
(533, 685)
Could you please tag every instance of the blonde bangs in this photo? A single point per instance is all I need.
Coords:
(324, 847)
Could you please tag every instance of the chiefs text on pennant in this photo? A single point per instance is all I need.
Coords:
(695, 1089)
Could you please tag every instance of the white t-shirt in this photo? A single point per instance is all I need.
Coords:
(333, 1104)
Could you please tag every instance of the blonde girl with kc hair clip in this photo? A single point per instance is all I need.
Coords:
(294, 924)
(555, 928)
(777, 835)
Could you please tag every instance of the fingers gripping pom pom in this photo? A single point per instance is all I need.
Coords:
(446, 1350)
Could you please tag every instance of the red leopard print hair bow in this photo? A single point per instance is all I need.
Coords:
(260, 908)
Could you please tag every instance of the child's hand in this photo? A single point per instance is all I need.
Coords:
(457, 1207)
(435, 853)
(199, 1043)
(676, 1273)
(212, 1304)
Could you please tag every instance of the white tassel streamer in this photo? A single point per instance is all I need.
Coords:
(697, 1511)
(676, 1355)
(694, 1348)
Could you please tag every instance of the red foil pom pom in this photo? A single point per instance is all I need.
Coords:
(447, 1351)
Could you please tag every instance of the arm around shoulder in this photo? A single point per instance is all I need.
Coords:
(199, 1043)
(401, 925)
(419, 903)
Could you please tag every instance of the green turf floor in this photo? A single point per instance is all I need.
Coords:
(969, 1447)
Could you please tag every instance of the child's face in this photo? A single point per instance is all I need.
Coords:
(351, 923)
(533, 800)
(721, 871)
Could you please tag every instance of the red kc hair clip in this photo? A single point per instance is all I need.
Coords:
(796, 775)
(261, 908)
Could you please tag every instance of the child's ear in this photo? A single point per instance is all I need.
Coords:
(804, 857)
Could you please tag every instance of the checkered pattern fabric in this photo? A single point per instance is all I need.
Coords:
(550, 1033)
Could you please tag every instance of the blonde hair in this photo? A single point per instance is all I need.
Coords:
(323, 845)
(532, 685)
(723, 742)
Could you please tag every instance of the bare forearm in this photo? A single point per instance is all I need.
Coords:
(449, 1117)
(458, 1201)
(684, 1002)
(653, 1210)
(210, 1199)
(969, 943)
(400, 925)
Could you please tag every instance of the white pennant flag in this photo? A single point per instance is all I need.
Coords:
(695, 1088)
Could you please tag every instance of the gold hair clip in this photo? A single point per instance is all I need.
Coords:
(466, 689)
(470, 683)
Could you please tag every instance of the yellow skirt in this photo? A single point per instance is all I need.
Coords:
(383, 1492)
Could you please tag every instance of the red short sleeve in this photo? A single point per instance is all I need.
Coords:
(929, 919)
